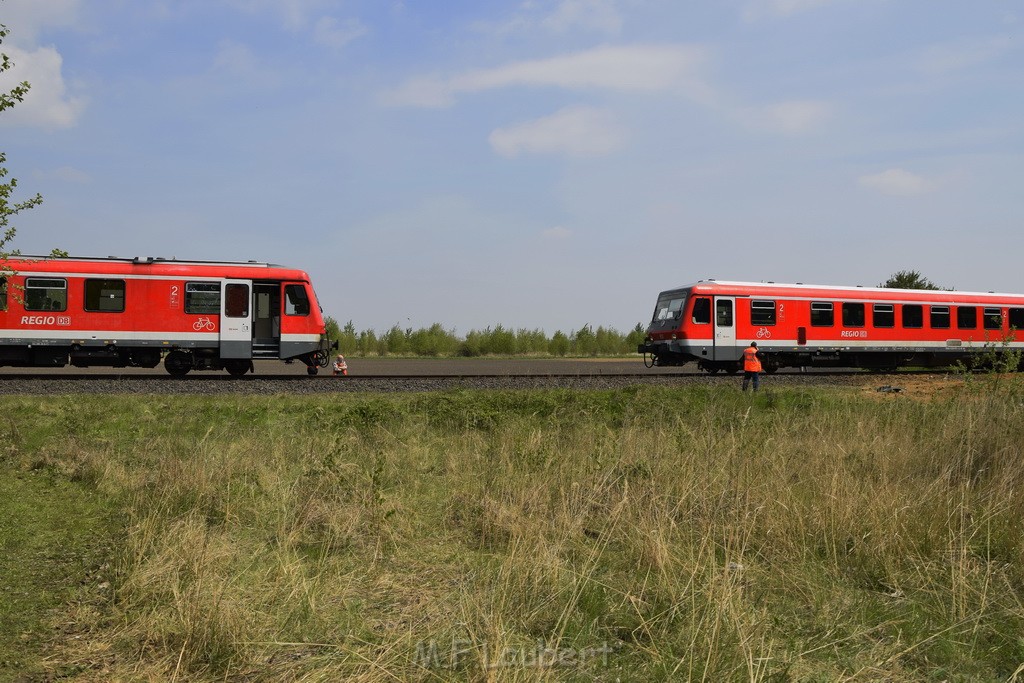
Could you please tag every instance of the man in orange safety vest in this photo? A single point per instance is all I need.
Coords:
(751, 365)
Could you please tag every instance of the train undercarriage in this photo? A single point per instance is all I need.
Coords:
(879, 361)
(177, 361)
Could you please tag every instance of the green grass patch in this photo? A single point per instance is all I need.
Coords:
(640, 534)
(55, 541)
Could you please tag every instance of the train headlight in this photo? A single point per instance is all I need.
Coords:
(673, 335)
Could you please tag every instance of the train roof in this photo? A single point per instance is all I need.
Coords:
(146, 260)
(154, 265)
(858, 290)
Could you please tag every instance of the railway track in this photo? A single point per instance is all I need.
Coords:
(222, 383)
(224, 377)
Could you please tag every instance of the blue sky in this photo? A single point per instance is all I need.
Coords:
(537, 163)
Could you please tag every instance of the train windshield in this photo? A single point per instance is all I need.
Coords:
(670, 307)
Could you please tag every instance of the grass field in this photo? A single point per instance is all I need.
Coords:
(635, 535)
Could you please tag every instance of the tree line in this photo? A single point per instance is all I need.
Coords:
(437, 340)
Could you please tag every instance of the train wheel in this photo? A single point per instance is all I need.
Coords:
(237, 368)
(312, 370)
(178, 363)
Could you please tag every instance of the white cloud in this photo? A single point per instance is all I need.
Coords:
(758, 9)
(432, 92)
(594, 15)
(235, 70)
(67, 174)
(26, 18)
(294, 14)
(574, 131)
(235, 59)
(940, 59)
(557, 232)
(897, 182)
(598, 16)
(47, 104)
(238, 68)
(792, 118)
(332, 33)
(630, 68)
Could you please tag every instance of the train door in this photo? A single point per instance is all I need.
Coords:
(235, 319)
(725, 328)
(266, 319)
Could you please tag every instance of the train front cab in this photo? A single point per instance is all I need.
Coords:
(693, 325)
(260, 319)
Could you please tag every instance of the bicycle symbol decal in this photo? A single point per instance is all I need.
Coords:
(764, 333)
(204, 324)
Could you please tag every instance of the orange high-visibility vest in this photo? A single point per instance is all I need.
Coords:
(750, 361)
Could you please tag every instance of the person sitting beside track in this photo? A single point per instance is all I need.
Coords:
(340, 366)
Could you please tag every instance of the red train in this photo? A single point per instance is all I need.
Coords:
(797, 325)
(194, 315)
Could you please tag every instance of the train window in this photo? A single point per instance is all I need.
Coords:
(938, 318)
(668, 309)
(993, 319)
(883, 315)
(104, 296)
(853, 315)
(702, 311)
(1017, 318)
(913, 315)
(46, 294)
(3, 294)
(202, 298)
(967, 317)
(762, 312)
(236, 300)
(822, 314)
(296, 301)
(723, 313)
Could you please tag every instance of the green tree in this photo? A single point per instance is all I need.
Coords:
(909, 279)
(472, 345)
(559, 345)
(9, 206)
(500, 342)
(331, 329)
(345, 336)
(635, 338)
(368, 343)
(435, 341)
(395, 341)
(584, 341)
(531, 341)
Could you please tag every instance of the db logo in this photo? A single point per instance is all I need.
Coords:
(63, 320)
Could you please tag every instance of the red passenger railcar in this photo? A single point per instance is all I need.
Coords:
(798, 325)
(194, 315)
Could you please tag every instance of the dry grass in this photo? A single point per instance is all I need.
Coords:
(639, 535)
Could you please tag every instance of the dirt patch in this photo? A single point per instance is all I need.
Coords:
(926, 387)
